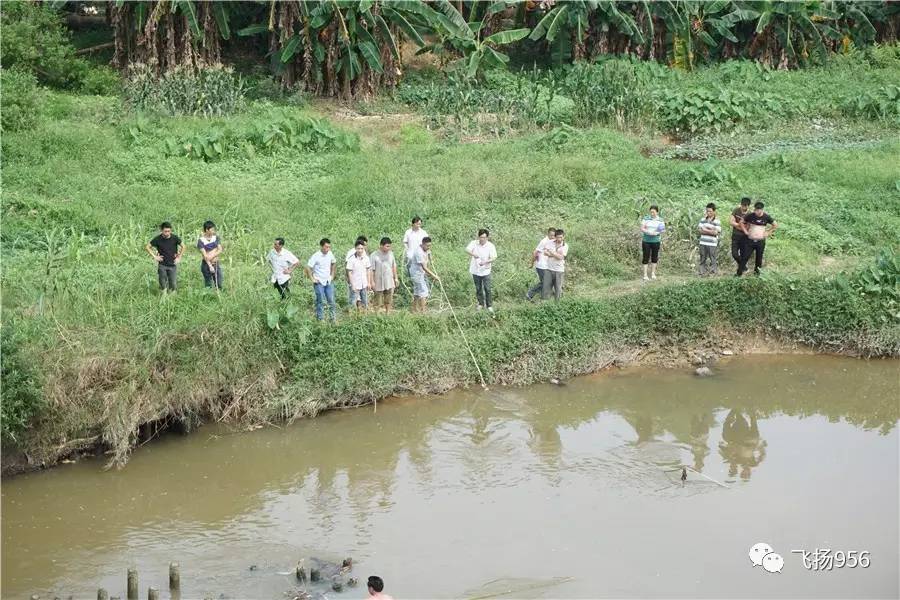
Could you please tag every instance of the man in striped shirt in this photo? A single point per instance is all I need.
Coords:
(710, 228)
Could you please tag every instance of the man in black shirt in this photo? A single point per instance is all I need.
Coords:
(166, 250)
(738, 237)
(757, 226)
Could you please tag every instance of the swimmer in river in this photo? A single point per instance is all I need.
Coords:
(376, 588)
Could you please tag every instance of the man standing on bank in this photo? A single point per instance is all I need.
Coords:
(167, 254)
(556, 266)
(483, 255)
(418, 269)
(738, 237)
(710, 227)
(210, 246)
(283, 263)
(758, 225)
(412, 241)
(359, 277)
(320, 269)
(539, 262)
(384, 275)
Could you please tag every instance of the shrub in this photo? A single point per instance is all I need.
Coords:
(702, 110)
(210, 91)
(101, 81)
(21, 99)
(302, 133)
(20, 397)
(879, 104)
(35, 40)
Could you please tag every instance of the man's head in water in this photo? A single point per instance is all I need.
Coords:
(375, 584)
(758, 208)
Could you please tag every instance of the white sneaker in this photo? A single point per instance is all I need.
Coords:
(646, 278)
(491, 309)
(653, 276)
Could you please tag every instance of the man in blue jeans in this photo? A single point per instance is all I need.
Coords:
(321, 269)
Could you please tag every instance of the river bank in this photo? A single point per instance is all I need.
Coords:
(111, 404)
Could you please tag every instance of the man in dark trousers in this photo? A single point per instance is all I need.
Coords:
(758, 225)
(166, 250)
(738, 237)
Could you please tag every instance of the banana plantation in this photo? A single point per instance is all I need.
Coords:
(352, 48)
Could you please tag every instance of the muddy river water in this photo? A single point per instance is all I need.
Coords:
(537, 492)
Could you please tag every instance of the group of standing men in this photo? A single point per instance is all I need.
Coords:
(749, 231)
(377, 273)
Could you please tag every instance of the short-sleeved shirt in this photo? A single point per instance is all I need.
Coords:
(653, 224)
(413, 240)
(208, 243)
(358, 267)
(541, 261)
(320, 265)
(757, 224)
(280, 261)
(483, 252)
(352, 251)
(738, 217)
(558, 264)
(167, 248)
(710, 240)
(418, 262)
(382, 265)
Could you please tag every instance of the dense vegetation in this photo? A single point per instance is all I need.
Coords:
(91, 350)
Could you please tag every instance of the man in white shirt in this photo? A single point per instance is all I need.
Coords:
(320, 269)
(412, 240)
(283, 262)
(556, 266)
(359, 279)
(350, 253)
(539, 262)
(483, 255)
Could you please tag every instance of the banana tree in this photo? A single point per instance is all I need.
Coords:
(479, 50)
(572, 23)
(164, 34)
(787, 33)
(344, 48)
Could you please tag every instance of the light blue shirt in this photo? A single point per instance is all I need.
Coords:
(320, 265)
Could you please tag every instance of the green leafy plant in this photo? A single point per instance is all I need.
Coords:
(20, 396)
(711, 171)
(879, 104)
(21, 99)
(209, 91)
(701, 110)
(34, 39)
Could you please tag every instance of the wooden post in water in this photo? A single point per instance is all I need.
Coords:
(102, 594)
(133, 584)
(174, 578)
(153, 594)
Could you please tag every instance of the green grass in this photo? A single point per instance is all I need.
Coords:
(84, 191)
